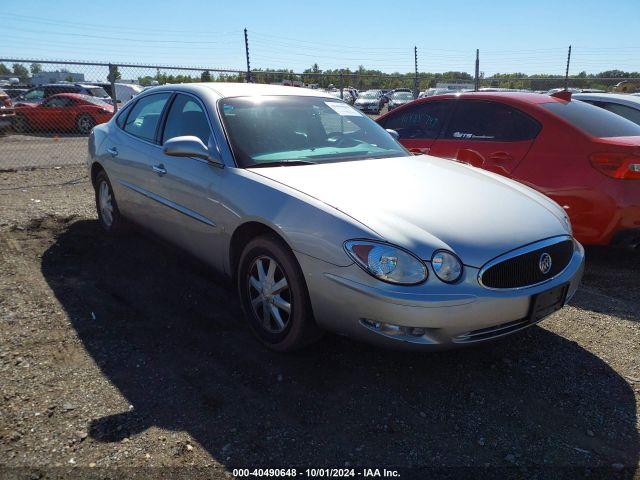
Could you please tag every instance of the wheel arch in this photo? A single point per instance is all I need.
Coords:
(242, 235)
(96, 168)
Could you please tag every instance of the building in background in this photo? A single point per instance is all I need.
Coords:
(58, 76)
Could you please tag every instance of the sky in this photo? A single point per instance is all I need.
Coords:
(512, 36)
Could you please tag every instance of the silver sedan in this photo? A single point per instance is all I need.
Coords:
(325, 222)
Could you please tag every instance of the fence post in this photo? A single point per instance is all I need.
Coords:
(415, 78)
(113, 69)
(246, 51)
(341, 85)
(477, 79)
(566, 74)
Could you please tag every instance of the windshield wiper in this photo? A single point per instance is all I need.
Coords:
(282, 163)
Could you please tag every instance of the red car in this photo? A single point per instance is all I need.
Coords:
(62, 112)
(585, 158)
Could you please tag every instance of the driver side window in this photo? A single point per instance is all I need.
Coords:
(424, 120)
(36, 94)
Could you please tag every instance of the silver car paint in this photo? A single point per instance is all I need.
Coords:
(420, 203)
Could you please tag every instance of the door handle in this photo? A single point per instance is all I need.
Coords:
(500, 157)
(159, 169)
(113, 151)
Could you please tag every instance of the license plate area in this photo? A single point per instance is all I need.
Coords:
(547, 302)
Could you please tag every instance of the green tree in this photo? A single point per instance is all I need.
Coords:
(205, 76)
(21, 72)
(4, 70)
(35, 68)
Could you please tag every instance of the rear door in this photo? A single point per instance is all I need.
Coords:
(420, 124)
(132, 147)
(487, 134)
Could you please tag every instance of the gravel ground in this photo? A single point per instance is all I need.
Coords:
(124, 353)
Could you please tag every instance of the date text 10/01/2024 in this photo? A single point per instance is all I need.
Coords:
(316, 472)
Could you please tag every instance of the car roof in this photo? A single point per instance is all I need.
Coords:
(511, 97)
(224, 89)
(610, 97)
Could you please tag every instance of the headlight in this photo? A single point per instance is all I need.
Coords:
(387, 262)
(447, 266)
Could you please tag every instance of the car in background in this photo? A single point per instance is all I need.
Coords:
(325, 222)
(39, 93)
(7, 112)
(585, 158)
(369, 101)
(15, 92)
(627, 106)
(123, 91)
(429, 92)
(399, 98)
(63, 112)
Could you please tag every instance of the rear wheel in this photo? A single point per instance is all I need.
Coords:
(85, 123)
(274, 295)
(108, 214)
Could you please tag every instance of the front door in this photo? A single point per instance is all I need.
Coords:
(420, 124)
(490, 135)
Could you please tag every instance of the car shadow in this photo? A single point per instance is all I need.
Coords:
(610, 283)
(167, 334)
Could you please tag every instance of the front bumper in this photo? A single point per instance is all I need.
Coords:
(434, 315)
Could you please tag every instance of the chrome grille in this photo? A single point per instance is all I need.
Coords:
(522, 270)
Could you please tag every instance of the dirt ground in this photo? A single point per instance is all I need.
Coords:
(125, 353)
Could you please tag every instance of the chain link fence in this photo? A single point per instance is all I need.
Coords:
(48, 108)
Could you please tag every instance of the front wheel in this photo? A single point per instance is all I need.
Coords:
(274, 296)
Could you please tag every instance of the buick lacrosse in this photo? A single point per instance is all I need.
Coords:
(325, 222)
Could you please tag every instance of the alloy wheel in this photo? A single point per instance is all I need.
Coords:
(269, 294)
(105, 203)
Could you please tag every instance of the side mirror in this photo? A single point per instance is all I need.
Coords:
(393, 133)
(189, 146)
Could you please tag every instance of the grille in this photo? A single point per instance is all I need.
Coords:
(524, 270)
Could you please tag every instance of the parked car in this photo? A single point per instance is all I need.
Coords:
(63, 112)
(15, 92)
(124, 91)
(37, 94)
(369, 101)
(326, 222)
(585, 158)
(627, 106)
(399, 98)
(7, 112)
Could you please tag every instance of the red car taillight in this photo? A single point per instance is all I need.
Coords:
(617, 165)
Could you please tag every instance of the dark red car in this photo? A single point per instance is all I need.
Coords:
(62, 112)
(585, 158)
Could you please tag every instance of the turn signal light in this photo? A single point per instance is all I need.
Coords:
(617, 165)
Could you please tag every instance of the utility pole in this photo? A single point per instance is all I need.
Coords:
(566, 74)
(415, 78)
(246, 51)
(477, 82)
(341, 85)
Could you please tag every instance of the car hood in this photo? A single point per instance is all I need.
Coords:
(425, 203)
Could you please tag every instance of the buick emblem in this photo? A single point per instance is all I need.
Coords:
(545, 263)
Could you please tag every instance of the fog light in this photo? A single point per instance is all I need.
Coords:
(418, 332)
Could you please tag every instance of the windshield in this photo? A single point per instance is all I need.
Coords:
(368, 95)
(97, 92)
(94, 100)
(592, 120)
(292, 128)
(402, 96)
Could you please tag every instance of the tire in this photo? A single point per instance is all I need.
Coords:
(108, 213)
(85, 123)
(266, 312)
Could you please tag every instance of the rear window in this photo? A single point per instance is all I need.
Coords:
(592, 120)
